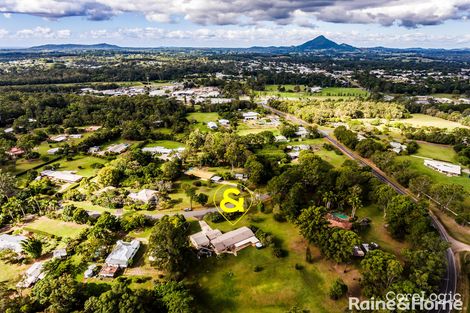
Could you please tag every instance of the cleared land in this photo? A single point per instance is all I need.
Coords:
(420, 120)
(44, 225)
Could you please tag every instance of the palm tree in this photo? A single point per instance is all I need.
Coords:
(33, 247)
(354, 199)
(328, 199)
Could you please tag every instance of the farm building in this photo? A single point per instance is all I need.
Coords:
(444, 167)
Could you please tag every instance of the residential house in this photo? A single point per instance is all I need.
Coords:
(8, 130)
(302, 132)
(59, 138)
(75, 136)
(444, 167)
(118, 148)
(94, 149)
(64, 176)
(90, 271)
(32, 275)
(53, 151)
(230, 242)
(224, 122)
(280, 138)
(212, 125)
(123, 253)
(145, 196)
(315, 89)
(250, 116)
(397, 147)
(216, 179)
(11, 242)
(59, 253)
(15, 152)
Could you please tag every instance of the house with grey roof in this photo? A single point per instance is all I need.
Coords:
(11, 242)
(123, 253)
(231, 242)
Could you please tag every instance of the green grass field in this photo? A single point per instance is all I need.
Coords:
(437, 152)
(420, 120)
(11, 273)
(55, 227)
(342, 92)
(230, 284)
(201, 119)
(169, 144)
(418, 165)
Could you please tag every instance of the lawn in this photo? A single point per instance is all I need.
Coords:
(436, 152)
(377, 232)
(420, 120)
(418, 165)
(169, 144)
(202, 117)
(55, 227)
(230, 284)
(342, 92)
(81, 164)
(11, 273)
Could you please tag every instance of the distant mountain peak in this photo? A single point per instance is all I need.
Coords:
(99, 46)
(323, 43)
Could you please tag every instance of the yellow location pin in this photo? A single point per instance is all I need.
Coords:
(237, 205)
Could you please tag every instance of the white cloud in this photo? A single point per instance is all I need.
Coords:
(3, 33)
(409, 13)
(42, 32)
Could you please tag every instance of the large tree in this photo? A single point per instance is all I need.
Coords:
(168, 244)
(379, 270)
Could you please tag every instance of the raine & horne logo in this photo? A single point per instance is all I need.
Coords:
(235, 199)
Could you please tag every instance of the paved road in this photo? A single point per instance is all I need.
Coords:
(449, 283)
(195, 213)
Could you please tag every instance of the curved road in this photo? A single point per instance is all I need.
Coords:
(449, 283)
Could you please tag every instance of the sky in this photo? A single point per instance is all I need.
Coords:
(236, 23)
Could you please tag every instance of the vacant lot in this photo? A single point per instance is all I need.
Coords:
(54, 227)
(169, 144)
(230, 284)
(436, 152)
(420, 120)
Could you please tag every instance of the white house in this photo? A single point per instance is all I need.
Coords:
(157, 150)
(280, 138)
(123, 253)
(32, 275)
(145, 196)
(250, 116)
(224, 122)
(397, 147)
(11, 242)
(59, 253)
(315, 89)
(118, 148)
(53, 151)
(212, 125)
(59, 138)
(65, 176)
(301, 132)
(444, 167)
